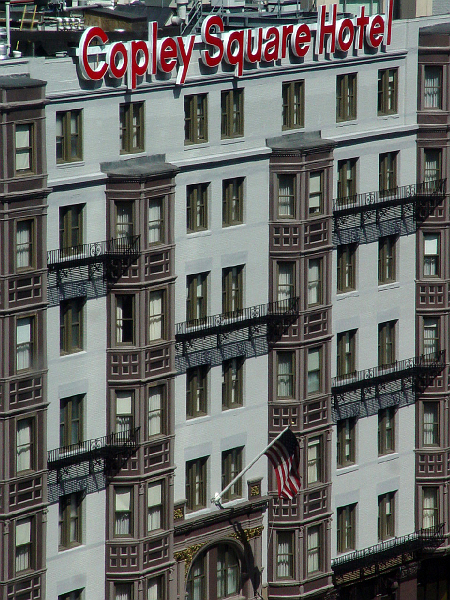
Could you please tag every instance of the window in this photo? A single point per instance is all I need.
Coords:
(430, 507)
(71, 325)
(155, 221)
(315, 456)
(432, 169)
(386, 516)
(197, 207)
(386, 430)
(315, 200)
(74, 595)
(232, 124)
(71, 228)
(24, 343)
(386, 259)
(68, 136)
(431, 433)
(387, 91)
(432, 87)
(124, 412)
(157, 315)
(285, 555)
(196, 391)
(125, 319)
(155, 411)
(25, 255)
(124, 221)
(196, 483)
(123, 591)
(232, 201)
(346, 433)
(346, 353)
(228, 574)
(315, 281)
(387, 173)
(346, 97)
(346, 268)
(232, 466)
(346, 189)
(24, 142)
(155, 512)
(232, 289)
(195, 119)
(313, 553)
(285, 374)
(285, 282)
(24, 544)
(346, 528)
(131, 127)
(123, 511)
(155, 589)
(386, 343)
(70, 520)
(285, 196)
(431, 344)
(196, 297)
(24, 445)
(314, 370)
(431, 247)
(293, 104)
(196, 581)
(70, 421)
(232, 383)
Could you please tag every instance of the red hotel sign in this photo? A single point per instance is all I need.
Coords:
(138, 58)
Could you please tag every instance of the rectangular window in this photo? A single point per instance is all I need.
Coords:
(293, 104)
(228, 572)
(70, 421)
(432, 87)
(346, 189)
(155, 589)
(285, 374)
(24, 544)
(346, 524)
(124, 412)
(315, 199)
(232, 383)
(430, 428)
(232, 123)
(157, 324)
(285, 555)
(286, 282)
(156, 410)
(346, 268)
(24, 343)
(155, 506)
(430, 507)
(123, 513)
(346, 97)
(386, 430)
(388, 173)
(315, 285)
(71, 314)
(70, 515)
(431, 345)
(125, 319)
(432, 169)
(24, 445)
(131, 127)
(285, 196)
(68, 136)
(232, 466)
(314, 370)
(387, 91)
(155, 221)
(196, 483)
(313, 551)
(431, 251)
(196, 297)
(196, 119)
(123, 591)
(196, 391)
(315, 460)
(386, 259)
(124, 221)
(71, 228)
(386, 516)
(25, 255)
(346, 442)
(232, 201)
(346, 353)
(232, 290)
(74, 595)
(197, 207)
(386, 343)
(24, 142)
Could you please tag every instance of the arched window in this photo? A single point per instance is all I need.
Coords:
(195, 587)
(214, 575)
(227, 572)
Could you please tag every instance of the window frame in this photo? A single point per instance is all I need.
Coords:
(128, 512)
(287, 379)
(435, 423)
(284, 560)
(159, 228)
(195, 119)
(431, 261)
(197, 305)
(387, 430)
(29, 545)
(387, 259)
(67, 420)
(346, 353)
(233, 383)
(346, 97)
(128, 130)
(27, 248)
(438, 90)
(129, 320)
(347, 177)
(157, 320)
(160, 411)
(233, 201)
(197, 391)
(387, 340)
(346, 437)
(432, 175)
(293, 104)
(346, 268)
(233, 290)
(67, 518)
(29, 446)
(315, 284)
(29, 150)
(289, 178)
(386, 521)
(197, 207)
(388, 173)
(315, 461)
(431, 324)
(433, 511)
(67, 136)
(29, 345)
(232, 113)
(387, 93)
(196, 492)
(285, 291)
(310, 371)
(346, 528)
(232, 460)
(316, 211)
(124, 230)
(312, 551)
(71, 228)
(67, 325)
(123, 421)
(155, 508)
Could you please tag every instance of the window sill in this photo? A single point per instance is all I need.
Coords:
(349, 294)
(231, 225)
(74, 353)
(347, 469)
(196, 418)
(200, 233)
(349, 122)
(227, 408)
(73, 547)
(386, 116)
(70, 163)
(232, 140)
(390, 285)
(195, 146)
(387, 457)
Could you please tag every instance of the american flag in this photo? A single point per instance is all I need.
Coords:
(285, 458)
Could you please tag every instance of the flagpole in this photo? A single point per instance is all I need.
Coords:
(217, 498)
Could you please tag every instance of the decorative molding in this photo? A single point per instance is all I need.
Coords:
(187, 555)
(248, 534)
(255, 490)
(177, 514)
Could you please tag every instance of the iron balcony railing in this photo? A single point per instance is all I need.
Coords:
(93, 252)
(366, 377)
(102, 447)
(431, 537)
(384, 198)
(223, 322)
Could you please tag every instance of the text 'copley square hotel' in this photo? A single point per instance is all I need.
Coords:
(215, 223)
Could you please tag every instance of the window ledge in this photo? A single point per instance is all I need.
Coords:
(382, 287)
(349, 294)
(388, 116)
(203, 232)
(347, 469)
(192, 420)
(69, 164)
(233, 140)
(388, 457)
(232, 225)
(350, 122)
(69, 354)
(193, 146)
